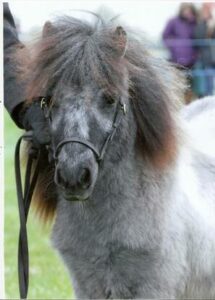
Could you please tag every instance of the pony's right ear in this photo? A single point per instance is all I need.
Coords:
(48, 29)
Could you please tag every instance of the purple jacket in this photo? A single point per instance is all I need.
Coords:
(176, 37)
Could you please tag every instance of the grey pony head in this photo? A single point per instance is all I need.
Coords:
(88, 69)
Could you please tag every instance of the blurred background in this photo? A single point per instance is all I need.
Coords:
(180, 32)
(183, 33)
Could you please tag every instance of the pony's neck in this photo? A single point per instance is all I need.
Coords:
(134, 197)
(134, 179)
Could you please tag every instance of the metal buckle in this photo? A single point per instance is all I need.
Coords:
(123, 107)
(43, 103)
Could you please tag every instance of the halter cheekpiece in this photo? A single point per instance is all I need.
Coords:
(99, 153)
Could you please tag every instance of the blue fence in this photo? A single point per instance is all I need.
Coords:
(193, 42)
(203, 78)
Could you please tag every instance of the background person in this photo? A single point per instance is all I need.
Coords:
(177, 36)
(205, 66)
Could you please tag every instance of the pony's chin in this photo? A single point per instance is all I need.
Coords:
(76, 197)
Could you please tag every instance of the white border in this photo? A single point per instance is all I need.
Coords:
(2, 282)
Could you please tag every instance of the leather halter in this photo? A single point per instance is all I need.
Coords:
(99, 153)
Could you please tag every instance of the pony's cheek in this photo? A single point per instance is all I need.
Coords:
(55, 123)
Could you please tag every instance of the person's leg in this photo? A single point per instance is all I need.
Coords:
(210, 80)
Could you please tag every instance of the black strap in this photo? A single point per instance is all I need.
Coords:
(120, 111)
(76, 140)
(117, 120)
(24, 201)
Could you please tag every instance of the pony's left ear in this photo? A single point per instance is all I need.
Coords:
(156, 129)
(48, 29)
(120, 39)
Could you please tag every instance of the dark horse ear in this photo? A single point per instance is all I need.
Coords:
(156, 137)
(120, 39)
(48, 29)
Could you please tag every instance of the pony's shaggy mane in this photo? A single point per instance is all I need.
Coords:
(75, 53)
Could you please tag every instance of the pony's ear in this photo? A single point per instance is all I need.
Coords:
(48, 29)
(120, 39)
(156, 132)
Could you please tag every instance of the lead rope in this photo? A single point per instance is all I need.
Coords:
(24, 201)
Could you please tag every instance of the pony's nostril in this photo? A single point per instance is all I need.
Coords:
(75, 181)
(59, 179)
(85, 178)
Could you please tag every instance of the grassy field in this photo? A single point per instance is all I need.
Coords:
(48, 277)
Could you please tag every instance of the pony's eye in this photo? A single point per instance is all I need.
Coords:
(109, 99)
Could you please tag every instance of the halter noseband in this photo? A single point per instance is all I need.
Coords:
(99, 154)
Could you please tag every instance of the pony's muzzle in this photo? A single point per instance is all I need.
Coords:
(81, 182)
(76, 178)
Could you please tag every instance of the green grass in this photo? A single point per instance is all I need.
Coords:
(48, 277)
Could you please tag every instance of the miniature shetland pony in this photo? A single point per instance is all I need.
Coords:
(138, 221)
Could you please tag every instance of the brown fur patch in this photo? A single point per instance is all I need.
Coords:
(44, 200)
(157, 132)
(45, 195)
(165, 155)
